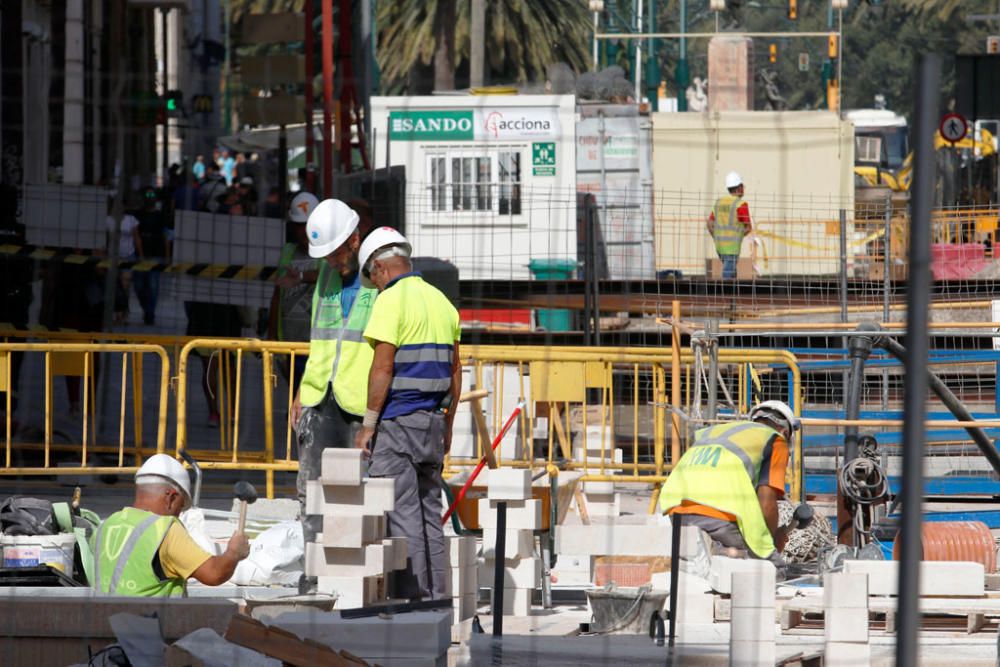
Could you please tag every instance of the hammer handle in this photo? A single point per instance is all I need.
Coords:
(243, 517)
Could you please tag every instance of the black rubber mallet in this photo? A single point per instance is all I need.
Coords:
(247, 495)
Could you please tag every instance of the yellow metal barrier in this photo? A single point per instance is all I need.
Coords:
(80, 360)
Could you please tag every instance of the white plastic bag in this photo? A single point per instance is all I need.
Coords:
(276, 558)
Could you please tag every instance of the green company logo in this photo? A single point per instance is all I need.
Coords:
(430, 125)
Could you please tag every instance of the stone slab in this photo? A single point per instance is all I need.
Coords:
(346, 531)
(516, 601)
(624, 540)
(754, 588)
(845, 625)
(509, 484)
(374, 497)
(937, 578)
(720, 576)
(751, 625)
(517, 543)
(342, 466)
(461, 550)
(528, 516)
(517, 573)
(323, 561)
(420, 634)
(845, 591)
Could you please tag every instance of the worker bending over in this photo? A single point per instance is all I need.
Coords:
(729, 481)
(728, 223)
(145, 551)
(415, 376)
(331, 399)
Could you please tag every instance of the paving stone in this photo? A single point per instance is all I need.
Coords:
(525, 514)
(509, 484)
(351, 531)
(341, 466)
(937, 578)
(845, 591)
(517, 543)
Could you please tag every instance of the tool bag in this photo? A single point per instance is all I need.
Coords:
(26, 516)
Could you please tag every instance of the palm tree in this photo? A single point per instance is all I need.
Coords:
(523, 37)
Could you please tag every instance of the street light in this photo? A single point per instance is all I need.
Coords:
(839, 4)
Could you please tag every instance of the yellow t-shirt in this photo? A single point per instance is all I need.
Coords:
(179, 554)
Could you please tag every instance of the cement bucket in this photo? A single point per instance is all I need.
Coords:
(624, 611)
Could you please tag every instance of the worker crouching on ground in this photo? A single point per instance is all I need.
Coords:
(415, 376)
(145, 551)
(730, 479)
(331, 399)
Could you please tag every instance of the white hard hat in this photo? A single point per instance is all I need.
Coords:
(378, 239)
(330, 224)
(161, 468)
(302, 205)
(733, 180)
(778, 412)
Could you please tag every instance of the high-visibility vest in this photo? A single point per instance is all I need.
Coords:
(295, 303)
(339, 355)
(729, 231)
(721, 470)
(125, 547)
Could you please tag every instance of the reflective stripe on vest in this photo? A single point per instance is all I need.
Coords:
(729, 231)
(125, 548)
(721, 470)
(339, 355)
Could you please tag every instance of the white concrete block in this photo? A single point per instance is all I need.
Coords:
(751, 653)
(400, 552)
(465, 606)
(754, 587)
(351, 531)
(573, 570)
(517, 543)
(461, 551)
(342, 466)
(598, 488)
(374, 497)
(750, 624)
(721, 574)
(610, 508)
(518, 573)
(516, 601)
(464, 581)
(419, 634)
(845, 625)
(936, 577)
(624, 540)
(509, 484)
(322, 561)
(845, 591)
(847, 654)
(529, 516)
(352, 591)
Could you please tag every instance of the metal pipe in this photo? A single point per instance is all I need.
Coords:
(310, 185)
(886, 287)
(327, 32)
(638, 56)
(843, 287)
(941, 390)
(675, 386)
(712, 329)
(915, 392)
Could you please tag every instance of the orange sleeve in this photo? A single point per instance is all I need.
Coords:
(774, 465)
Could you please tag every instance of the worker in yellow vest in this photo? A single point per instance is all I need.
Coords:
(728, 223)
(730, 479)
(145, 551)
(331, 400)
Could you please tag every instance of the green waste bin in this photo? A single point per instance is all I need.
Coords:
(553, 269)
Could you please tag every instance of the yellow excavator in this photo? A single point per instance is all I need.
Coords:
(898, 180)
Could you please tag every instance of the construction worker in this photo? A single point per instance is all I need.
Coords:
(415, 376)
(728, 223)
(291, 302)
(331, 399)
(730, 479)
(145, 551)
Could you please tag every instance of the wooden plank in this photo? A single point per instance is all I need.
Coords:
(274, 28)
(283, 645)
(484, 432)
(975, 623)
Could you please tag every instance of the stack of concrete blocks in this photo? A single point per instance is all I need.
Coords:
(463, 577)
(601, 497)
(752, 627)
(463, 434)
(207, 238)
(522, 571)
(505, 384)
(845, 620)
(352, 556)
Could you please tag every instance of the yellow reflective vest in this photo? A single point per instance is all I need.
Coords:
(339, 355)
(721, 470)
(729, 231)
(125, 548)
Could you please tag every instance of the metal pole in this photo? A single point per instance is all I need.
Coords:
(310, 184)
(843, 283)
(683, 76)
(282, 162)
(886, 286)
(327, 30)
(499, 554)
(676, 523)
(638, 55)
(840, 59)
(596, 55)
(477, 44)
(227, 116)
(653, 76)
(915, 391)
(166, 87)
(712, 329)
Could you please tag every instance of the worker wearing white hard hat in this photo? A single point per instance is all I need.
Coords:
(730, 479)
(331, 399)
(145, 551)
(291, 302)
(415, 376)
(728, 223)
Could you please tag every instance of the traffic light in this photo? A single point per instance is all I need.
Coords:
(793, 9)
(173, 103)
(772, 53)
(832, 46)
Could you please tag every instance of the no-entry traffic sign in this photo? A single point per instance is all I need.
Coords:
(953, 127)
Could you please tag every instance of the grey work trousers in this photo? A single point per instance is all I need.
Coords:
(728, 534)
(320, 426)
(410, 450)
